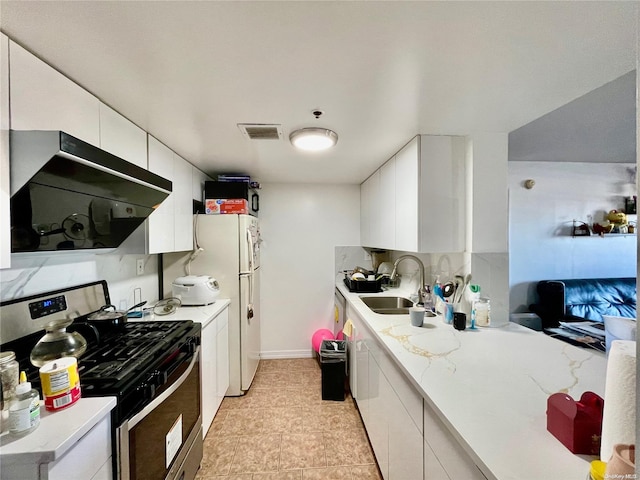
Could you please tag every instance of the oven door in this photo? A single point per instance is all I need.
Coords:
(164, 440)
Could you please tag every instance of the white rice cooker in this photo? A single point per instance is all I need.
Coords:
(196, 289)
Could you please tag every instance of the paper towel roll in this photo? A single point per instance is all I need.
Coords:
(619, 416)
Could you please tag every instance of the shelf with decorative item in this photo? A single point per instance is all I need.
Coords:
(616, 224)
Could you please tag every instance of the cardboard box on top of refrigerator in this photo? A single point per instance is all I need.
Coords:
(221, 206)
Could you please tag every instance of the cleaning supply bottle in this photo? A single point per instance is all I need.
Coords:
(437, 288)
(24, 409)
(429, 305)
(474, 297)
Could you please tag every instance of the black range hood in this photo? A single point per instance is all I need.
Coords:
(69, 195)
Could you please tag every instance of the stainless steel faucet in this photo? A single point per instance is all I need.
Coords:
(422, 291)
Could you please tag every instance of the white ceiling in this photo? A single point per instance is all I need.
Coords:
(188, 72)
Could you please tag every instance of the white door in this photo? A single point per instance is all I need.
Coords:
(249, 327)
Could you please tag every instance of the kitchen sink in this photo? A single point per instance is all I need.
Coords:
(388, 305)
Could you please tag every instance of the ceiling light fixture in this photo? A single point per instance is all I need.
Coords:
(313, 139)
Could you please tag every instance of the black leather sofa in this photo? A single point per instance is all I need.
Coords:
(584, 299)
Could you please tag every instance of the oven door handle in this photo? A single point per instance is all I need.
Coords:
(138, 417)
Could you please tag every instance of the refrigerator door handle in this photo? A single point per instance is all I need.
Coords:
(250, 273)
(250, 250)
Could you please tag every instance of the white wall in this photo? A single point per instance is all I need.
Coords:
(300, 226)
(540, 221)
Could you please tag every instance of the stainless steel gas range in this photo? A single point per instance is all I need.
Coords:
(152, 368)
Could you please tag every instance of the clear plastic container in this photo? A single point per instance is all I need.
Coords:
(9, 375)
(481, 313)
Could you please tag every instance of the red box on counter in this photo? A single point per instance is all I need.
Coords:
(218, 206)
(578, 425)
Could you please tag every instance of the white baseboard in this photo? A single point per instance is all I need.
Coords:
(275, 354)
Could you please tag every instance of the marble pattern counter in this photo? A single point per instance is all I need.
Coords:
(57, 433)
(490, 387)
(200, 314)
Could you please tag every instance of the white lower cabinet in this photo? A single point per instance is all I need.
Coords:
(222, 356)
(209, 374)
(214, 368)
(444, 449)
(405, 443)
(433, 470)
(380, 395)
(409, 440)
(390, 409)
(90, 458)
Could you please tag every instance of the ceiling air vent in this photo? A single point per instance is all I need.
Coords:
(261, 131)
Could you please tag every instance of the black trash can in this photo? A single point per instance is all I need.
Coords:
(333, 364)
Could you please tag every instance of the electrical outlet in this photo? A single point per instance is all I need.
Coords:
(140, 266)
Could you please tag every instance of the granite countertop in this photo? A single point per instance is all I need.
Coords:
(490, 387)
(57, 433)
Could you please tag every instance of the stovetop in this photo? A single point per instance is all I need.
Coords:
(134, 361)
(117, 355)
(130, 362)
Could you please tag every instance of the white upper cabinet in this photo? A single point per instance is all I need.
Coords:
(5, 190)
(170, 227)
(121, 137)
(370, 221)
(406, 213)
(44, 99)
(198, 177)
(182, 204)
(386, 210)
(161, 225)
(417, 204)
(442, 196)
(365, 220)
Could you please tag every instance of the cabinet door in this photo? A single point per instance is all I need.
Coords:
(373, 211)
(380, 397)
(365, 214)
(387, 205)
(86, 458)
(183, 204)
(450, 454)
(161, 224)
(198, 177)
(208, 374)
(44, 99)
(433, 470)
(442, 196)
(5, 189)
(222, 359)
(406, 201)
(121, 137)
(405, 443)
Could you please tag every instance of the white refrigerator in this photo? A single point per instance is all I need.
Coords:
(231, 254)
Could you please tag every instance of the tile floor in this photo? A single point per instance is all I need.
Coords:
(283, 430)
